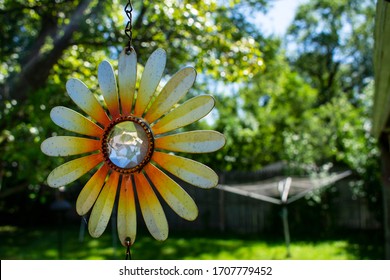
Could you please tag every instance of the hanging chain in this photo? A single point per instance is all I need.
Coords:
(129, 25)
(128, 245)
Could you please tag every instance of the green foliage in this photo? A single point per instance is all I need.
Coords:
(311, 109)
(334, 45)
(205, 33)
(257, 117)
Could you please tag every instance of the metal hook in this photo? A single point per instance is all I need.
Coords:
(128, 245)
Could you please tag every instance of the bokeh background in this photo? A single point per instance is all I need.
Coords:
(300, 100)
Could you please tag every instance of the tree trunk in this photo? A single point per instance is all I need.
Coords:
(38, 65)
(385, 158)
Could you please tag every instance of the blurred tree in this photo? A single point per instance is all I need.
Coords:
(255, 117)
(39, 32)
(314, 107)
(332, 46)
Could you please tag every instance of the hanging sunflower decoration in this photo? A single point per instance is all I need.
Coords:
(131, 143)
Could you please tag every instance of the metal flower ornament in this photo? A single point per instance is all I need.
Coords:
(130, 141)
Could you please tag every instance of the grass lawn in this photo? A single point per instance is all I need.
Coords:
(43, 243)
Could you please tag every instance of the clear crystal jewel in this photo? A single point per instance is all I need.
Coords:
(127, 144)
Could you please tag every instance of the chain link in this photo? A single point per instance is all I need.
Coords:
(129, 25)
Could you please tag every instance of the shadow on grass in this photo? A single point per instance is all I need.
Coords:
(190, 247)
(366, 245)
(43, 243)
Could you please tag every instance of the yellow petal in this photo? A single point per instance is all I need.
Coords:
(172, 92)
(74, 121)
(91, 190)
(187, 113)
(107, 83)
(188, 170)
(101, 211)
(151, 209)
(127, 78)
(87, 102)
(72, 170)
(172, 193)
(200, 141)
(127, 216)
(150, 79)
(68, 146)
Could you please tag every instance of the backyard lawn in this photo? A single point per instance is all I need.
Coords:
(43, 243)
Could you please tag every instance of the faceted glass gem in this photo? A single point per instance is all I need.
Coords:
(127, 144)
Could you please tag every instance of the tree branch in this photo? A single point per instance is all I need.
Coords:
(36, 71)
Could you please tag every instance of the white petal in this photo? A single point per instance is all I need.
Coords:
(101, 211)
(172, 193)
(127, 78)
(127, 216)
(91, 190)
(188, 170)
(87, 102)
(200, 141)
(187, 113)
(151, 77)
(68, 146)
(172, 92)
(72, 170)
(75, 122)
(151, 209)
(107, 83)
